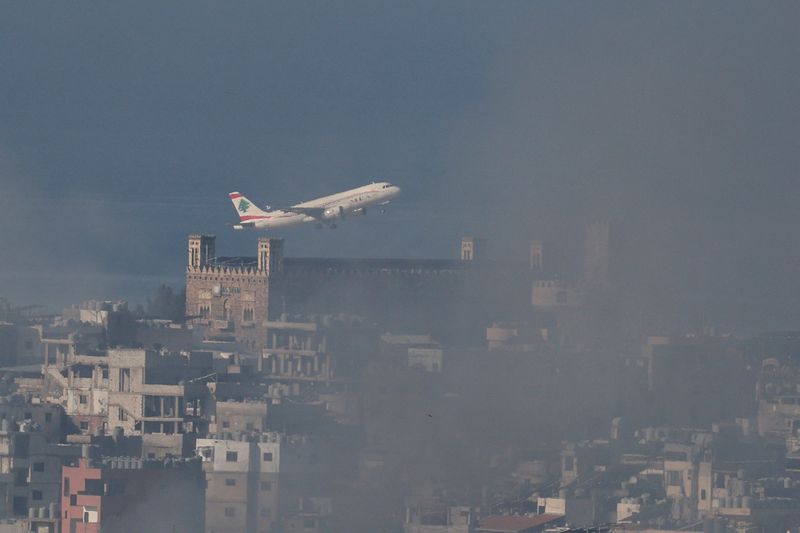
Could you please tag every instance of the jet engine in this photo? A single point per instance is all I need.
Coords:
(334, 212)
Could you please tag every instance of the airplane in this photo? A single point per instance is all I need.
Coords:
(322, 211)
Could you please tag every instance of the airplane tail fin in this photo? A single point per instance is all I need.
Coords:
(244, 207)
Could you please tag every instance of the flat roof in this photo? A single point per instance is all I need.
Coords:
(513, 524)
(326, 263)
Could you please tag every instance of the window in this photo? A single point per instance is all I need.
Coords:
(673, 478)
(569, 463)
(22, 446)
(66, 486)
(230, 511)
(83, 399)
(249, 426)
(20, 505)
(123, 416)
(84, 425)
(124, 380)
(703, 494)
(90, 515)
(247, 315)
(225, 424)
(28, 415)
(151, 455)
(266, 485)
(231, 457)
(94, 487)
(48, 417)
(38, 467)
(230, 482)
(36, 494)
(267, 456)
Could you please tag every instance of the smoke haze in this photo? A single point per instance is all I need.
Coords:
(122, 128)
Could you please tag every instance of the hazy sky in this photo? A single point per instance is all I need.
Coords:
(124, 126)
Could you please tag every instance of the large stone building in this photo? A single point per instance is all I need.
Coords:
(234, 298)
(231, 295)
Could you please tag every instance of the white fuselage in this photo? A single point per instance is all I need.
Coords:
(339, 205)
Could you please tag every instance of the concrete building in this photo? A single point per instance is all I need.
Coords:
(254, 484)
(520, 524)
(161, 397)
(46, 418)
(30, 470)
(778, 397)
(239, 417)
(79, 383)
(296, 350)
(130, 495)
(19, 345)
(434, 516)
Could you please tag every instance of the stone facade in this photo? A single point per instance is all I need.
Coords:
(231, 295)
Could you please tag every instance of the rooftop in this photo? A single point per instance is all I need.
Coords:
(514, 524)
(317, 263)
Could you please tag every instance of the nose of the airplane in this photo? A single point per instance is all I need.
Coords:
(396, 189)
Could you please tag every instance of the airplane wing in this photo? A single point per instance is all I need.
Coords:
(313, 212)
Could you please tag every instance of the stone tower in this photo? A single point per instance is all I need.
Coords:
(537, 256)
(201, 250)
(270, 255)
(473, 249)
